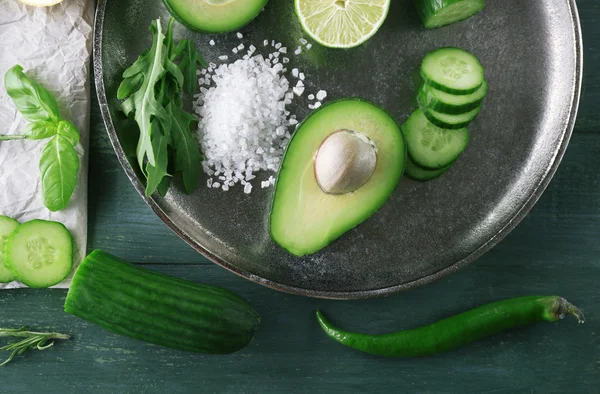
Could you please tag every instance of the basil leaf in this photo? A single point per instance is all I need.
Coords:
(144, 101)
(59, 165)
(187, 153)
(33, 101)
(190, 59)
(155, 174)
(40, 130)
(68, 130)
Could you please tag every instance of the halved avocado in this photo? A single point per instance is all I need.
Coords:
(304, 218)
(214, 16)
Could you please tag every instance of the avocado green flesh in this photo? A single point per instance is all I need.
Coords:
(304, 219)
(214, 16)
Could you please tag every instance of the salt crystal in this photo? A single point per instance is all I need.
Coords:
(234, 50)
(240, 35)
(278, 45)
(223, 57)
(308, 46)
(311, 96)
(240, 47)
(303, 41)
(321, 95)
(302, 76)
(295, 72)
(247, 188)
(298, 51)
(212, 43)
(317, 104)
(266, 42)
(283, 50)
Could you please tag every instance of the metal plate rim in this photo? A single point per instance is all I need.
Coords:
(337, 295)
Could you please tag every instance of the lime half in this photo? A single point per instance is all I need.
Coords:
(40, 3)
(341, 23)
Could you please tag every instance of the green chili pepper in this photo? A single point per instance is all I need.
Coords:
(457, 330)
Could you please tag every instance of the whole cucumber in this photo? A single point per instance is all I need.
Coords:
(159, 309)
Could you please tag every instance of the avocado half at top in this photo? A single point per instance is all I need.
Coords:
(214, 16)
(340, 167)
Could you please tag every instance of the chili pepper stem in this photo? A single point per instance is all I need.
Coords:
(564, 308)
(11, 137)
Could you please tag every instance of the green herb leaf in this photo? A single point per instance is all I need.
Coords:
(187, 153)
(155, 174)
(190, 59)
(163, 188)
(33, 340)
(32, 100)
(59, 165)
(68, 130)
(129, 85)
(144, 101)
(40, 130)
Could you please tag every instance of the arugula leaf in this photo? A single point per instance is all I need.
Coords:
(144, 101)
(32, 100)
(68, 130)
(187, 154)
(156, 173)
(190, 59)
(59, 165)
(153, 91)
(40, 130)
(163, 188)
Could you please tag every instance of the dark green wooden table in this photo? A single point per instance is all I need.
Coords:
(555, 250)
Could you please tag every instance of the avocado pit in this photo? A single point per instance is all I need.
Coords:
(345, 161)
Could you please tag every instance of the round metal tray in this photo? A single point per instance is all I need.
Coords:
(532, 53)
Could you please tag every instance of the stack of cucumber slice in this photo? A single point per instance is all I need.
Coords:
(449, 100)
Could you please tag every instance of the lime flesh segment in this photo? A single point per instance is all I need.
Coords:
(341, 23)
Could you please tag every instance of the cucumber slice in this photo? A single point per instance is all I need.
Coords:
(431, 147)
(452, 104)
(214, 16)
(452, 70)
(438, 13)
(414, 171)
(445, 121)
(7, 227)
(40, 253)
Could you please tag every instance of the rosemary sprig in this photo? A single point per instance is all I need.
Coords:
(32, 340)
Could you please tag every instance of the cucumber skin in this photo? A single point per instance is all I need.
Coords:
(430, 101)
(8, 275)
(159, 309)
(428, 8)
(424, 174)
(440, 123)
(194, 28)
(446, 89)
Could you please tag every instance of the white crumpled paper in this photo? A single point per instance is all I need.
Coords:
(53, 45)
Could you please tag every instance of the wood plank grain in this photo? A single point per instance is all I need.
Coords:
(290, 353)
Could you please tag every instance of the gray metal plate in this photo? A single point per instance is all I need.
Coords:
(532, 54)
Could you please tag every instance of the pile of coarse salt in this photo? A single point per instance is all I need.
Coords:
(244, 124)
